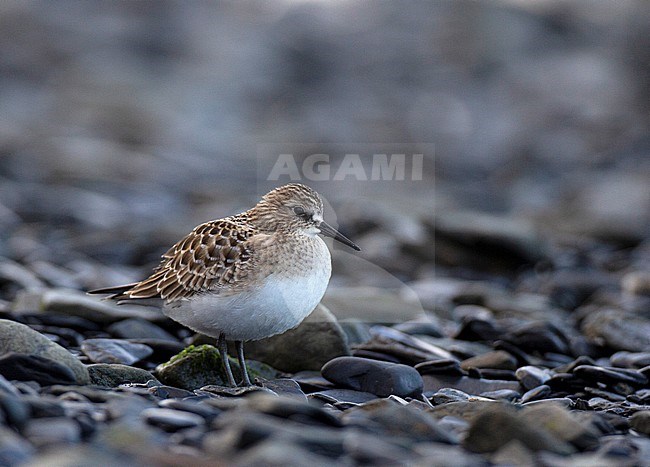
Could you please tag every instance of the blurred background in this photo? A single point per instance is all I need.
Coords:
(125, 123)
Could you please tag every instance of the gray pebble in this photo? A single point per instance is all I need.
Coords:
(170, 419)
(380, 378)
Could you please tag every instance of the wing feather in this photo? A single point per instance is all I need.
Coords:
(213, 255)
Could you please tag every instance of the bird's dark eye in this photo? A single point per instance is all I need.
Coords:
(299, 211)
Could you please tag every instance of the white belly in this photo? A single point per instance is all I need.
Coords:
(276, 306)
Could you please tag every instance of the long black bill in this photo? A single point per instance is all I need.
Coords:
(330, 231)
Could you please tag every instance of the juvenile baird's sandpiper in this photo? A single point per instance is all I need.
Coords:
(247, 276)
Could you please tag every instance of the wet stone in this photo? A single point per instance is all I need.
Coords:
(171, 420)
(379, 378)
(114, 351)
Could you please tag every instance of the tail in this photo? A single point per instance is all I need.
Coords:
(116, 292)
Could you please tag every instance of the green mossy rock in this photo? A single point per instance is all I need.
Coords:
(199, 366)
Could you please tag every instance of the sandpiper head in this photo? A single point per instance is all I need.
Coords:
(295, 208)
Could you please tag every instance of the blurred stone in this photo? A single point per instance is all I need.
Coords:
(387, 419)
(75, 303)
(136, 328)
(492, 429)
(48, 432)
(618, 330)
(14, 449)
(18, 338)
(640, 421)
(114, 351)
(637, 283)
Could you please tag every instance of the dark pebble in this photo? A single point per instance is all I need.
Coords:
(476, 329)
(24, 367)
(441, 367)
(539, 337)
(380, 378)
(291, 409)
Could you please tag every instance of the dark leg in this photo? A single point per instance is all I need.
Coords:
(223, 352)
(242, 362)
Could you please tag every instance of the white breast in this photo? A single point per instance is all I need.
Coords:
(280, 303)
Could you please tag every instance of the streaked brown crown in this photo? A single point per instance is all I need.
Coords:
(277, 209)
